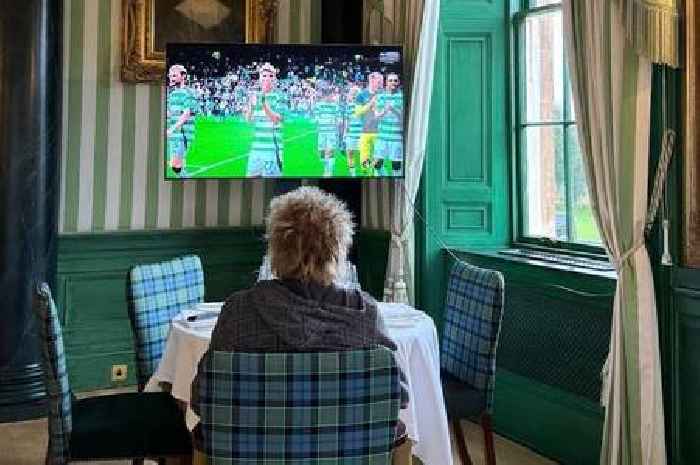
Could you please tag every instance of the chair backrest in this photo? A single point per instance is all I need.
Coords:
(156, 293)
(473, 314)
(55, 376)
(327, 408)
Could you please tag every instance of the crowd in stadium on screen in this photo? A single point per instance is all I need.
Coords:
(228, 94)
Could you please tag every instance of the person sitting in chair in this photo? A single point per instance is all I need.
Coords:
(309, 233)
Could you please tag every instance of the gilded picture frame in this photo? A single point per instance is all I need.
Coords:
(143, 61)
(691, 134)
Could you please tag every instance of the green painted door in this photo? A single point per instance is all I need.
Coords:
(465, 185)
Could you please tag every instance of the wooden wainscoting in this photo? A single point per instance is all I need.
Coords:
(685, 371)
(91, 294)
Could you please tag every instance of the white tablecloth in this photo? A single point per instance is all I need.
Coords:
(418, 356)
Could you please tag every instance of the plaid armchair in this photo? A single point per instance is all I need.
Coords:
(120, 426)
(329, 408)
(473, 314)
(55, 377)
(156, 293)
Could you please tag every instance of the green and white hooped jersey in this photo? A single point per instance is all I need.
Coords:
(267, 135)
(354, 128)
(327, 115)
(240, 95)
(181, 99)
(391, 124)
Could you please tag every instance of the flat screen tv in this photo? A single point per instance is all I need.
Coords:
(283, 111)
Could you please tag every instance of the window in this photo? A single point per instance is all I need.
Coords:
(554, 206)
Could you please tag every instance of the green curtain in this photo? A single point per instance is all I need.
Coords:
(611, 85)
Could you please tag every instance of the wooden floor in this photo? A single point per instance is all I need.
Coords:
(24, 443)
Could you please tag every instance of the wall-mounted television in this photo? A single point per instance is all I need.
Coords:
(283, 111)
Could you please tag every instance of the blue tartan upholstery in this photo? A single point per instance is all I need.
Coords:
(156, 294)
(120, 426)
(473, 313)
(55, 377)
(329, 408)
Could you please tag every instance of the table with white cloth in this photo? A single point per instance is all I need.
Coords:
(417, 355)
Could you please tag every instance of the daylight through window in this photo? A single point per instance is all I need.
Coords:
(554, 201)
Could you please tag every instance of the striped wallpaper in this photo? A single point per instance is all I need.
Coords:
(112, 153)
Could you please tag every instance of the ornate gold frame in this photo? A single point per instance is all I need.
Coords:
(691, 130)
(141, 63)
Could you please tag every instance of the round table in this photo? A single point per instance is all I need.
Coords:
(417, 354)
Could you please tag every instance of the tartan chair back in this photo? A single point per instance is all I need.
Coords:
(328, 408)
(473, 314)
(55, 376)
(156, 293)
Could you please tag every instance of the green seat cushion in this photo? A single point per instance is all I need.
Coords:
(128, 425)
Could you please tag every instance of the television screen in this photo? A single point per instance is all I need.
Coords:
(283, 111)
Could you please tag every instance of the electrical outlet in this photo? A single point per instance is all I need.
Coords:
(119, 373)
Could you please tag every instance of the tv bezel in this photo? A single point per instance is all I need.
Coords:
(399, 47)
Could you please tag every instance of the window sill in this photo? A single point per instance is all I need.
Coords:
(551, 259)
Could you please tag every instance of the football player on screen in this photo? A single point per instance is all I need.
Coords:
(182, 104)
(327, 115)
(389, 111)
(366, 104)
(352, 128)
(264, 111)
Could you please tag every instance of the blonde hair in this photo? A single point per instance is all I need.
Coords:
(309, 232)
(179, 69)
(267, 67)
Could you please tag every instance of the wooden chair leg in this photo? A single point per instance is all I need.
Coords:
(489, 450)
(461, 443)
(402, 454)
(177, 460)
(198, 458)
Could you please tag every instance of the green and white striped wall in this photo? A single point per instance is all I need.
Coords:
(112, 152)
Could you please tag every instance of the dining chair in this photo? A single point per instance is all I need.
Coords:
(328, 408)
(111, 427)
(156, 293)
(473, 314)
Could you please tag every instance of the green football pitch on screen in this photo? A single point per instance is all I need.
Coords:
(221, 147)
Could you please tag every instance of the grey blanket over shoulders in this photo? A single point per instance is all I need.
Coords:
(291, 316)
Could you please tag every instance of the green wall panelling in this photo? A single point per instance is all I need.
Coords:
(92, 272)
(473, 8)
(465, 187)
(550, 421)
(685, 382)
(553, 342)
(677, 289)
(662, 274)
(91, 294)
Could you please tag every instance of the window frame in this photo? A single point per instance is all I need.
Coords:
(519, 163)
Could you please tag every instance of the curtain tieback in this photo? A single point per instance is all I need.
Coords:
(396, 240)
(624, 258)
